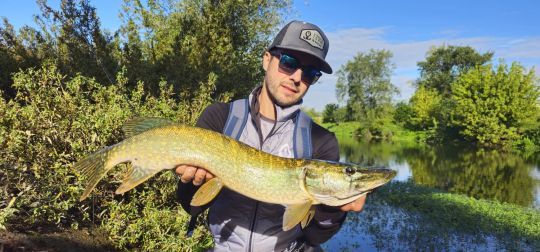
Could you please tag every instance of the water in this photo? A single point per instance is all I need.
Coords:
(481, 174)
(476, 173)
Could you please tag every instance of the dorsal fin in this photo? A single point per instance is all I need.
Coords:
(138, 125)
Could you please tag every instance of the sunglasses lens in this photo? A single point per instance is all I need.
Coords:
(310, 75)
(288, 63)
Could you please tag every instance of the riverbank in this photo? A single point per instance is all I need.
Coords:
(398, 133)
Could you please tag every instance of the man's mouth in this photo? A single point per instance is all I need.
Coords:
(292, 90)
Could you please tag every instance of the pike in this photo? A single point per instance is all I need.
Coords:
(155, 144)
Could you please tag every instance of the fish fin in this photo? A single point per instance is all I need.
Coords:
(93, 167)
(207, 192)
(308, 217)
(139, 125)
(294, 214)
(137, 175)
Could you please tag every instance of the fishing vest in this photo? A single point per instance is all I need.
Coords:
(238, 117)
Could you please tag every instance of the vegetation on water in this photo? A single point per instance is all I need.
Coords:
(450, 211)
(427, 219)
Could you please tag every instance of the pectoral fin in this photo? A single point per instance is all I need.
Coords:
(300, 213)
(138, 175)
(207, 192)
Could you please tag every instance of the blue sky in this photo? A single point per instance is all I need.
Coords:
(408, 29)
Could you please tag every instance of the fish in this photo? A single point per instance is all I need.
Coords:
(155, 144)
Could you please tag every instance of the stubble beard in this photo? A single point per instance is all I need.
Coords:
(278, 101)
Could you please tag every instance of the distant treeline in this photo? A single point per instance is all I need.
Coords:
(460, 96)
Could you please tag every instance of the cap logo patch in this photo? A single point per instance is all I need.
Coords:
(313, 37)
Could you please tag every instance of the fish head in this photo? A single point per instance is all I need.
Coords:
(336, 183)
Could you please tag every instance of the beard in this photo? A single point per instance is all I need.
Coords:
(282, 101)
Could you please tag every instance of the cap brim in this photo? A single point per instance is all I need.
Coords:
(325, 67)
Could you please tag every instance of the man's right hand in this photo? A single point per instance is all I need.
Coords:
(189, 173)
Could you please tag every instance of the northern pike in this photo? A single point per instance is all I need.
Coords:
(155, 144)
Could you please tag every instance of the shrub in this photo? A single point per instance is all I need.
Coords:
(53, 122)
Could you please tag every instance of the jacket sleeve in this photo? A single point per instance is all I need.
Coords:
(212, 118)
(327, 220)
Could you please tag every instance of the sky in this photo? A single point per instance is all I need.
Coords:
(408, 29)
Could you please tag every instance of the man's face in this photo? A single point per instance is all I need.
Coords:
(286, 88)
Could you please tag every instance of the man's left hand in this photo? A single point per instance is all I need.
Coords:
(355, 206)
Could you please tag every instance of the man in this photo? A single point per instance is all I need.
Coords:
(292, 63)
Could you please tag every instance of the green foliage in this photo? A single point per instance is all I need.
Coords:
(374, 127)
(149, 220)
(343, 128)
(403, 113)
(59, 100)
(180, 42)
(7, 212)
(444, 64)
(364, 82)
(491, 106)
(52, 122)
(425, 104)
(183, 41)
(330, 113)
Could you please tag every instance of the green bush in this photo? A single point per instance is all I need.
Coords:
(53, 122)
(491, 105)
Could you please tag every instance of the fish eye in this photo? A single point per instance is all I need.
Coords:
(349, 170)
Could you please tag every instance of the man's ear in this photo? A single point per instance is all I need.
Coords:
(266, 60)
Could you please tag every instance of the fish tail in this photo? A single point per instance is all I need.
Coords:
(93, 167)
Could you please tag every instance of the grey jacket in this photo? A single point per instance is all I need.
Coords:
(239, 223)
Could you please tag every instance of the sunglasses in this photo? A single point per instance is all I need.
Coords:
(290, 64)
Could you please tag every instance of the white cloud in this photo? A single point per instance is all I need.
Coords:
(345, 44)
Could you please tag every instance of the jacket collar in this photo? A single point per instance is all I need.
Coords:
(282, 113)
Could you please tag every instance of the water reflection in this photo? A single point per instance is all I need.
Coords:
(477, 173)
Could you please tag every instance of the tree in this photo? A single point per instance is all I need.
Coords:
(76, 41)
(330, 113)
(492, 105)
(364, 82)
(17, 51)
(444, 64)
(403, 114)
(183, 42)
(425, 104)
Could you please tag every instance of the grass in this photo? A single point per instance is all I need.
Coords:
(399, 134)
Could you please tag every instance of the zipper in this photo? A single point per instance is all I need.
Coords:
(256, 121)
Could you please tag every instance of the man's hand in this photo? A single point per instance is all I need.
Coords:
(356, 205)
(189, 173)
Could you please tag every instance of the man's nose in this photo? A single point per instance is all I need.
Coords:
(296, 76)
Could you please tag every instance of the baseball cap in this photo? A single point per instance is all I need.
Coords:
(306, 38)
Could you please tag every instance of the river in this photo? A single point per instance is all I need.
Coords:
(477, 173)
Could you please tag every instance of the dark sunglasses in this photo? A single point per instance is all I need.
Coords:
(290, 64)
